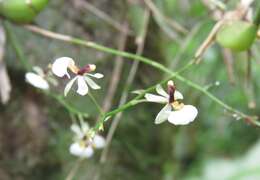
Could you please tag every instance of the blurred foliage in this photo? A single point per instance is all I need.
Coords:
(36, 146)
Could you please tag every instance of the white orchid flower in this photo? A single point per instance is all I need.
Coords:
(37, 79)
(60, 68)
(174, 111)
(84, 144)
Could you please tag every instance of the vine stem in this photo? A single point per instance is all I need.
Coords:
(145, 60)
(16, 46)
(96, 104)
(67, 106)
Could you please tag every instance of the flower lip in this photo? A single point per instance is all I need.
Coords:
(36, 81)
(171, 91)
(184, 116)
(86, 69)
(81, 151)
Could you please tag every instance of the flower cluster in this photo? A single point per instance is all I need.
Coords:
(61, 66)
(174, 111)
(85, 141)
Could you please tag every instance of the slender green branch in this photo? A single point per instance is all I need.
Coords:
(145, 60)
(13, 40)
(96, 104)
(60, 99)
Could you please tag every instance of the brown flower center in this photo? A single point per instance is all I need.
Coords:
(171, 91)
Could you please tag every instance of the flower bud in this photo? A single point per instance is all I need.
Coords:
(92, 67)
(21, 11)
(237, 35)
(170, 83)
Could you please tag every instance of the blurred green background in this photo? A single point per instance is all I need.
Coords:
(34, 128)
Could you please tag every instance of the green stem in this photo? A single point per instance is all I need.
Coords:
(13, 40)
(176, 75)
(96, 104)
(161, 68)
(61, 100)
(135, 57)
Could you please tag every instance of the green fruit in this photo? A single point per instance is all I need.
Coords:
(21, 11)
(237, 35)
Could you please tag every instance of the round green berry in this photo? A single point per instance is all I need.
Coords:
(21, 11)
(237, 35)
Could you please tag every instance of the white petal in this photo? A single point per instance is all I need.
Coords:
(36, 81)
(99, 141)
(183, 116)
(96, 75)
(161, 91)
(38, 70)
(60, 66)
(80, 151)
(163, 114)
(177, 95)
(84, 127)
(91, 83)
(155, 98)
(69, 85)
(77, 130)
(82, 86)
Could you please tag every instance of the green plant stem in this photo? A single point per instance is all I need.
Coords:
(137, 100)
(96, 103)
(145, 60)
(13, 40)
(61, 100)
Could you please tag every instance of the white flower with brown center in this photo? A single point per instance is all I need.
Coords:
(82, 75)
(37, 78)
(84, 142)
(174, 111)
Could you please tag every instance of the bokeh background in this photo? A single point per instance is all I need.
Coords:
(34, 128)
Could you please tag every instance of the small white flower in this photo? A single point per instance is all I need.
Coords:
(80, 150)
(84, 144)
(60, 68)
(174, 111)
(37, 79)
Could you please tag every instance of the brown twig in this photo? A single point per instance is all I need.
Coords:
(228, 60)
(249, 87)
(140, 40)
(81, 4)
(116, 74)
(216, 9)
(208, 41)
(174, 24)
